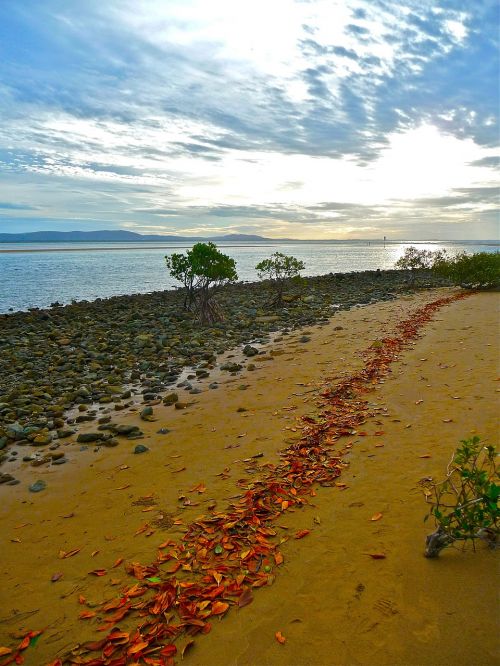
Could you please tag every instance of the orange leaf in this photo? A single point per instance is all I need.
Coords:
(379, 433)
(94, 553)
(302, 533)
(82, 600)
(85, 615)
(98, 572)
(278, 558)
(4, 651)
(376, 516)
(138, 647)
(117, 563)
(219, 607)
(279, 637)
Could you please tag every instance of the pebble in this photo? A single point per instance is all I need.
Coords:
(37, 486)
(140, 448)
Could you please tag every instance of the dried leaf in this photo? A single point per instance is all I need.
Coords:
(117, 563)
(302, 533)
(98, 572)
(57, 576)
(85, 615)
(138, 647)
(219, 607)
(280, 638)
(64, 554)
(4, 651)
(186, 647)
(377, 556)
(376, 516)
(245, 598)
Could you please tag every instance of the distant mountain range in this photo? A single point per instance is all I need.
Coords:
(115, 236)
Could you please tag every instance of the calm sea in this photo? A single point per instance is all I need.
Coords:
(36, 275)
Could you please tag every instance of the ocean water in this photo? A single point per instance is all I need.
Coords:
(36, 275)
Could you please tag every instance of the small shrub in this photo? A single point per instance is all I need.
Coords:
(480, 270)
(202, 270)
(279, 268)
(415, 260)
(465, 505)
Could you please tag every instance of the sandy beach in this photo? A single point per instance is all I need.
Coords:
(332, 602)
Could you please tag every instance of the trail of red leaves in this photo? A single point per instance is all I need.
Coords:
(223, 556)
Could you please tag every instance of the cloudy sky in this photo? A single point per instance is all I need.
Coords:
(285, 118)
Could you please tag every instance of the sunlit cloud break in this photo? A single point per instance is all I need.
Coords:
(319, 119)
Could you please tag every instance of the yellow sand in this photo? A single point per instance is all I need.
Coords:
(332, 602)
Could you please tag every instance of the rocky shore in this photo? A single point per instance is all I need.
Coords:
(65, 367)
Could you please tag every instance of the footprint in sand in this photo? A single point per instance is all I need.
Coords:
(386, 607)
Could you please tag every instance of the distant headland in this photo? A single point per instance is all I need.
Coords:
(116, 236)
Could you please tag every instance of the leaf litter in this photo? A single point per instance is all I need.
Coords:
(222, 557)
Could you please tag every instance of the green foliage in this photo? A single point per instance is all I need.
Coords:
(415, 260)
(180, 269)
(480, 270)
(202, 270)
(279, 268)
(465, 505)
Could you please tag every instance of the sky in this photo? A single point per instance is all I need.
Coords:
(283, 118)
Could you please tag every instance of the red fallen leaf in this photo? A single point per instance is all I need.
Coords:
(57, 576)
(117, 563)
(377, 556)
(302, 533)
(219, 607)
(379, 433)
(98, 572)
(245, 598)
(82, 600)
(279, 637)
(278, 558)
(169, 650)
(85, 615)
(64, 554)
(376, 516)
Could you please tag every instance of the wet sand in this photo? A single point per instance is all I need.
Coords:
(332, 602)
